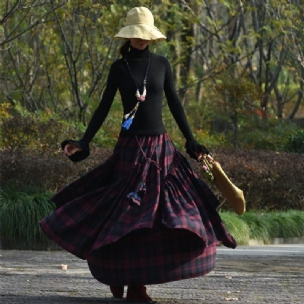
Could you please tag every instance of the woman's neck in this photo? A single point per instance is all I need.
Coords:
(136, 54)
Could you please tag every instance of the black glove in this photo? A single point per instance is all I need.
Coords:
(79, 155)
(193, 147)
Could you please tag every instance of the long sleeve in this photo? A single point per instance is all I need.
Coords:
(175, 105)
(103, 108)
(192, 147)
(97, 119)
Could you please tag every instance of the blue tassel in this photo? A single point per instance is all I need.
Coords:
(128, 118)
(127, 123)
(142, 190)
(136, 196)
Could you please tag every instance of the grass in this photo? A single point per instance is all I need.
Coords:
(20, 212)
(236, 227)
(286, 224)
(264, 226)
(258, 226)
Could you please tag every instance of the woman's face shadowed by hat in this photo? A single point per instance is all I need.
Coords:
(139, 43)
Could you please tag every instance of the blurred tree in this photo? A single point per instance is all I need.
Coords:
(55, 54)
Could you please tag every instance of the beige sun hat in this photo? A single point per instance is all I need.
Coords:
(140, 24)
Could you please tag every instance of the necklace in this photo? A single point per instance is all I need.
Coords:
(140, 97)
(128, 118)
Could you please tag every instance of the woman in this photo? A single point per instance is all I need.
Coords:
(143, 216)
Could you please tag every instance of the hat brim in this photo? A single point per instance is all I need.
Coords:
(142, 31)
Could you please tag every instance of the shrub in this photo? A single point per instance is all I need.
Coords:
(270, 135)
(270, 180)
(20, 213)
(31, 134)
(264, 226)
(199, 118)
(32, 155)
(285, 225)
(46, 172)
(236, 227)
(295, 143)
(258, 225)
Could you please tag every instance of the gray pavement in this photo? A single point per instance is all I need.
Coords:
(262, 274)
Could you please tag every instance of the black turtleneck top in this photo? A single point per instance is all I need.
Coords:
(148, 119)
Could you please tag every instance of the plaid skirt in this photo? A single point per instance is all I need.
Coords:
(141, 217)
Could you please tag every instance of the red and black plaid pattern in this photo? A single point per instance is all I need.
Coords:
(169, 234)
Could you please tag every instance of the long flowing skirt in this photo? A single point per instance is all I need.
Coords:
(141, 217)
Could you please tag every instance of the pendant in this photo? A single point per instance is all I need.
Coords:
(141, 97)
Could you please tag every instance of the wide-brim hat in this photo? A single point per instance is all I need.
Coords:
(140, 24)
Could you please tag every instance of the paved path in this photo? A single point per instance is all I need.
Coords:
(242, 276)
(269, 250)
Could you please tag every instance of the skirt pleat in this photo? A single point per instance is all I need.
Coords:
(141, 217)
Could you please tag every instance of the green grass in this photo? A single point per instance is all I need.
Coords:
(258, 226)
(236, 227)
(288, 224)
(264, 226)
(20, 213)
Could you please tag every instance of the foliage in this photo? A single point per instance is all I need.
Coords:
(42, 132)
(50, 172)
(283, 225)
(208, 139)
(264, 226)
(237, 96)
(20, 212)
(270, 180)
(269, 135)
(4, 110)
(56, 54)
(258, 224)
(27, 170)
(34, 134)
(243, 124)
(107, 136)
(240, 95)
(295, 142)
(236, 227)
(31, 154)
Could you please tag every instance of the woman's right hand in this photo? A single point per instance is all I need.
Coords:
(195, 150)
(70, 149)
